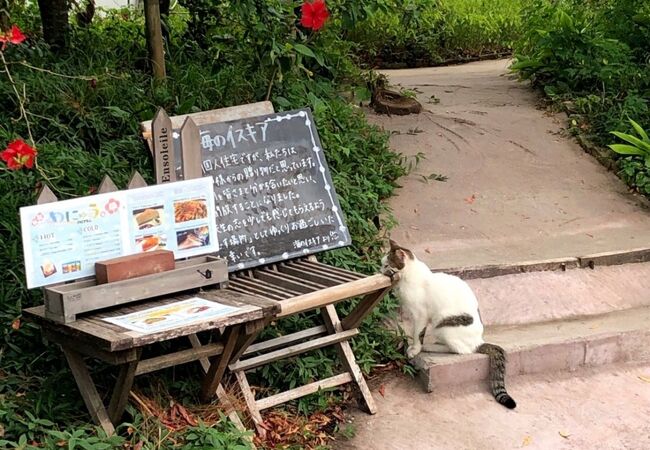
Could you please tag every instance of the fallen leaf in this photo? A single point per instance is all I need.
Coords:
(413, 227)
(426, 250)
(645, 378)
(382, 390)
(15, 324)
(527, 441)
(564, 434)
(470, 199)
(590, 235)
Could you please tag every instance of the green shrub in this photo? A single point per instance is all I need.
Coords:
(84, 107)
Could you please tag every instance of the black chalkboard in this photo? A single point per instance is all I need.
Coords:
(273, 191)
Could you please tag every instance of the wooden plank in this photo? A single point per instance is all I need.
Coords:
(88, 349)
(179, 357)
(222, 395)
(46, 196)
(301, 286)
(92, 298)
(264, 303)
(253, 329)
(191, 150)
(268, 288)
(277, 276)
(333, 325)
(334, 294)
(283, 341)
(104, 338)
(214, 115)
(292, 350)
(301, 391)
(163, 148)
(219, 364)
(106, 186)
(121, 390)
(301, 265)
(251, 404)
(311, 276)
(362, 309)
(240, 286)
(136, 181)
(88, 390)
(334, 270)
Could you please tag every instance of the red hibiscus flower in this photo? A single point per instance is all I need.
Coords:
(314, 14)
(13, 36)
(18, 155)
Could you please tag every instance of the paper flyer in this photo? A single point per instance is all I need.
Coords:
(173, 315)
(63, 240)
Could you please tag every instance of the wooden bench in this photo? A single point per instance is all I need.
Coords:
(263, 294)
(91, 336)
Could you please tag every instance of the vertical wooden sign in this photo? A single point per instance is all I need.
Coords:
(163, 147)
(191, 150)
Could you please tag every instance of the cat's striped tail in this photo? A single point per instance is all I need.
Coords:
(497, 358)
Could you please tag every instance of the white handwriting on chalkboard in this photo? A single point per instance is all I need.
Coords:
(234, 136)
(248, 172)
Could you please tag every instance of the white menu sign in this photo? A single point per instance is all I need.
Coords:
(63, 240)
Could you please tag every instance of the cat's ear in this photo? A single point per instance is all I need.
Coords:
(393, 245)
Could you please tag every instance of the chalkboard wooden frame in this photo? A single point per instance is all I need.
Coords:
(260, 236)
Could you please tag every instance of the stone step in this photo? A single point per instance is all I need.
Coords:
(563, 345)
(555, 295)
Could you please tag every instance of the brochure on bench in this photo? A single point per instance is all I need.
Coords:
(63, 240)
(160, 318)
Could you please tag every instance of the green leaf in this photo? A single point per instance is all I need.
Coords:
(625, 149)
(640, 131)
(304, 50)
(634, 141)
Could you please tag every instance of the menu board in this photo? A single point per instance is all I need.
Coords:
(273, 191)
(173, 315)
(63, 240)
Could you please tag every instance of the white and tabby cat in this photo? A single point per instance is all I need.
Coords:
(449, 304)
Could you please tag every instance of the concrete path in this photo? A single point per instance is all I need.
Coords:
(606, 409)
(517, 189)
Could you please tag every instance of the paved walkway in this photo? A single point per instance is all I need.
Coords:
(607, 409)
(517, 190)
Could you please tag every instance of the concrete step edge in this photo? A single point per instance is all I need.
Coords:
(553, 355)
(636, 255)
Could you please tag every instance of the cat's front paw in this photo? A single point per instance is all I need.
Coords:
(390, 273)
(413, 351)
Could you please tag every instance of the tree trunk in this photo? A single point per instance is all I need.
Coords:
(54, 19)
(4, 16)
(154, 38)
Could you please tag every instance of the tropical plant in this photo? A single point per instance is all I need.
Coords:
(639, 146)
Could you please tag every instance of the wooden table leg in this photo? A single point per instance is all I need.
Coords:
(121, 390)
(363, 308)
(251, 404)
(219, 363)
(220, 391)
(88, 390)
(333, 325)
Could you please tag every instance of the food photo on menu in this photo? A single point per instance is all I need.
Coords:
(149, 243)
(149, 217)
(196, 237)
(187, 210)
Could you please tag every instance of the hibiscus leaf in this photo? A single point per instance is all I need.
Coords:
(300, 48)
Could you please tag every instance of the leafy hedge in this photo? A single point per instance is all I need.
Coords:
(593, 58)
(84, 107)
